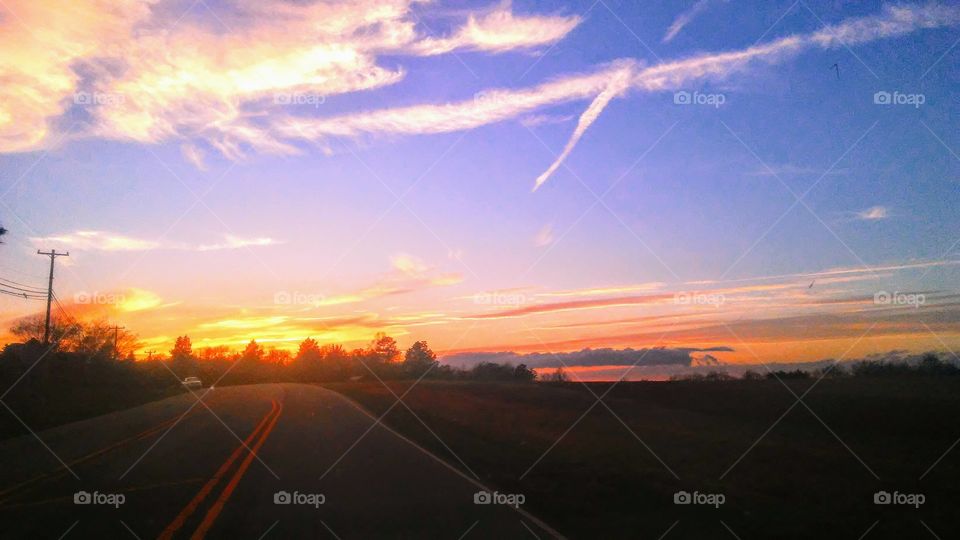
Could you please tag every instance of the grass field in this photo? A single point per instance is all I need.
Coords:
(786, 470)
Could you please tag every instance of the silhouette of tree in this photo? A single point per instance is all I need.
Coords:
(253, 351)
(384, 349)
(523, 373)
(559, 375)
(31, 327)
(309, 348)
(2, 232)
(182, 347)
(419, 359)
(182, 361)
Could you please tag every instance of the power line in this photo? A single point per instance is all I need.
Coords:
(21, 295)
(12, 284)
(9, 287)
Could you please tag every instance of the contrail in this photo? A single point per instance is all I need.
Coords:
(618, 85)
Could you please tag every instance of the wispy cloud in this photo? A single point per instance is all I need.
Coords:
(193, 154)
(500, 30)
(198, 83)
(544, 237)
(148, 78)
(408, 274)
(874, 213)
(608, 82)
(109, 241)
(684, 19)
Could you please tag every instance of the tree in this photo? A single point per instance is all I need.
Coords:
(91, 338)
(384, 349)
(523, 373)
(309, 350)
(182, 361)
(31, 328)
(419, 359)
(2, 233)
(277, 357)
(559, 375)
(182, 347)
(252, 352)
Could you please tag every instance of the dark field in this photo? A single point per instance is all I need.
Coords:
(813, 472)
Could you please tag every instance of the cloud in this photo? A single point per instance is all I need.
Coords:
(195, 155)
(535, 120)
(618, 84)
(235, 242)
(408, 264)
(135, 70)
(498, 31)
(606, 83)
(874, 213)
(572, 305)
(587, 357)
(109, 241)
(253, 83)
(684, 19)
(408, 274)
(545, 236)
(97, 241)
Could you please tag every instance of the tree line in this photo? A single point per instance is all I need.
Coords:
(99, 343)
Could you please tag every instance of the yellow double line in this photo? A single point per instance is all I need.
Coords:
(259, 435)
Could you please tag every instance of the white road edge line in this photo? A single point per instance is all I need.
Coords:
(458, 472)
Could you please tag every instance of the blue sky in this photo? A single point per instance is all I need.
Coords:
(692, 192)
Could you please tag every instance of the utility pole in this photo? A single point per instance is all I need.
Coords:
(116, 333)
(53, 256)
(150, 354)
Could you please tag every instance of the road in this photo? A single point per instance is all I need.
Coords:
(212, 467)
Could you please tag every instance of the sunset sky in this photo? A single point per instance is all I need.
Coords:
(780, 178)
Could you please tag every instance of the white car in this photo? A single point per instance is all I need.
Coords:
(192, 382)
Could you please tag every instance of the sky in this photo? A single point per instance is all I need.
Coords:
(772, 181)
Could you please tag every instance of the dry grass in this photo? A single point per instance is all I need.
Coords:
(601, 481)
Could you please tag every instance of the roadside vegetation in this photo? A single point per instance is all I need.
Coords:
(786, 469)
(90, 369)
(592, 468)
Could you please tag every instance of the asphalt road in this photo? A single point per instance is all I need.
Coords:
(216, 468)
